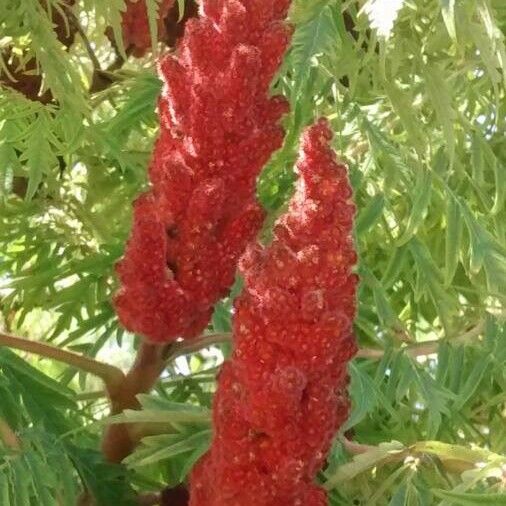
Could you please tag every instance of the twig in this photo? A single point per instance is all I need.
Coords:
(103, 79)
(370, 353)
(425, 348)
(204, 376)
(414, 350)
(168, 354)
(181, 348)
(109, 374)
(8, 436)
(355, 448)
(84, 37)
(118, 441)
(91, 396)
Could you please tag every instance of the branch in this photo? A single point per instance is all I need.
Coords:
(110, 375)
(425, 348)
(181, 348)
(101, 79)
(414, 350)
(118, 440)
(355, 448)
(8, 436)
(87, 45)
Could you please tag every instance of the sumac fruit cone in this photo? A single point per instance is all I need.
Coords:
(283, 394)
(218, 129)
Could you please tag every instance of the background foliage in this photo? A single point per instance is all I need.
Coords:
(415, 91)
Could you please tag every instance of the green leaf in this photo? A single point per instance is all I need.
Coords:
(453, 239)
(363, 394)
(385, 153)
(485, 252)
(436, 398)
(441, 99)
(311, 38)
(106, 482)
(421, 199)
(152, 7)
(470, 499)
(39, 157)
(500, 187)
(111, 11)
(41, 480)
(399, 498)
(369, 215)
(138, 108)
(472, 382)
(8, 161)
(222, 316)
(394, 267)
(448, 12)
(386, 313)
(302, 11)
(457, 452)
(181, 8)
(402, 104)
(156, 453)
(36, 382)
(192, 459)
(4, 489)
(363, 462)
(60, 76)
(431, 281)
(20, 483)
(154, 402)
(159, 416)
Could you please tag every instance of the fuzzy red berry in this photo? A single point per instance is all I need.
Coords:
(282, 396)
(218, 129)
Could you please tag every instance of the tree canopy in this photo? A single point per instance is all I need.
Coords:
(414, 91)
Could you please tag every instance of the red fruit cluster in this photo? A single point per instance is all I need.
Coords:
(135, 25)
(282, 396)
(218, 129)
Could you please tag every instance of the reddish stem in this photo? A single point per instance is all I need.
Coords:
(118, 441)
